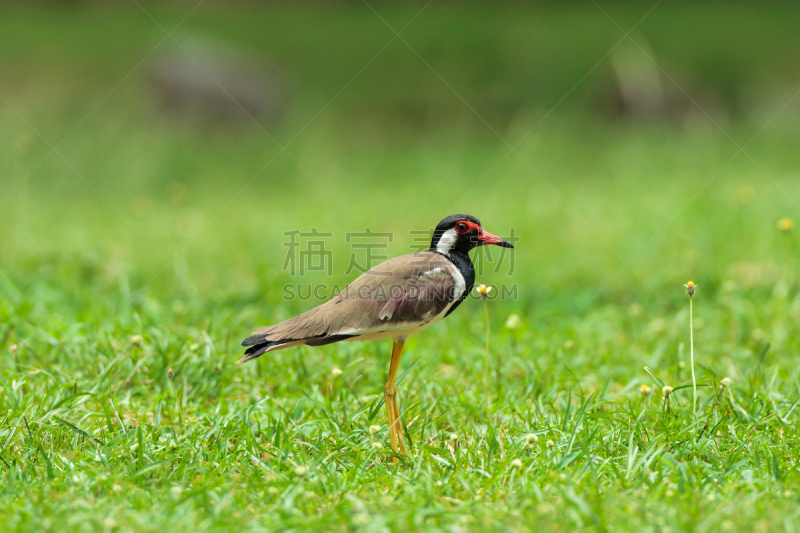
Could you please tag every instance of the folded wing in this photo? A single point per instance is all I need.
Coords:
(401, 294)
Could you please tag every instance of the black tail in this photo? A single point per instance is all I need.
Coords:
(258, 344)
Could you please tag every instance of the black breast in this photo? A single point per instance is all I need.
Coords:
(464, 265)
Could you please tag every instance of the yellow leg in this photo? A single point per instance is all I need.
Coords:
(390, 395)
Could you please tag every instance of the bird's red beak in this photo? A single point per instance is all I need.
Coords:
(487, 238)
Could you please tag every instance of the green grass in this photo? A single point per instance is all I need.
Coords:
(156, 245)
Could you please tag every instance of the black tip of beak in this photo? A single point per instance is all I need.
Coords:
(505, 244)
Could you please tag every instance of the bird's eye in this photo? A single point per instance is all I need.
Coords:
(462, 227)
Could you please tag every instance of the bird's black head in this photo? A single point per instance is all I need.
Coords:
(462, 233)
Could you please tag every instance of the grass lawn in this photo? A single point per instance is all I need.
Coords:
(132, 244)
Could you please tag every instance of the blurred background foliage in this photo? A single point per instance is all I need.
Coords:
(616, 159)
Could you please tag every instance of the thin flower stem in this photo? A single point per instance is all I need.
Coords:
(486, 372)
(691, 358)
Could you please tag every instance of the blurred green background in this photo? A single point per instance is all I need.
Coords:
(393, 133)
(153, 155)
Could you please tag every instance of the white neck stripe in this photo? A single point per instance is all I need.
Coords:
(447, 241)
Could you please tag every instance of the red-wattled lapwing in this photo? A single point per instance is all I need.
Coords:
(395, 299)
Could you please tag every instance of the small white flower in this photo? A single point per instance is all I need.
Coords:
(301, 470)
(273, 490)
(725, 382)
(531, 439)
(516, 463)
(377, 445)
(513, 321)
(136, 340)
(374, 429)
(116, 488)
(336, 372)
(98, 459)
(134, 447)
(172, 445)
(666, 391)
(176, 491)
(550, 443)
(483, 290)
(453, 436)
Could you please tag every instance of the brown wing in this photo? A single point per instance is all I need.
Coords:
(401, 294)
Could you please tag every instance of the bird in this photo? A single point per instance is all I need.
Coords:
(394, 299)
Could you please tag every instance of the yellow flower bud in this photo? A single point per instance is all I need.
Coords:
(690, 286)
(786, 224)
